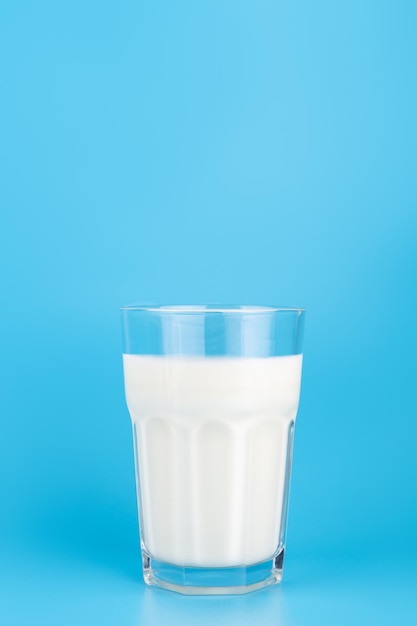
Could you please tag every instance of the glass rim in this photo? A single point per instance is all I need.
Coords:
(181, 309)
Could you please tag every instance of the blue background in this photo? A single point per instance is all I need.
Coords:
(223, 151)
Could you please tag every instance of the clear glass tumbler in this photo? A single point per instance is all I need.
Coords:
(213, 395)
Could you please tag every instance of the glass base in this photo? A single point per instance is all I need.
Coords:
(213, 580)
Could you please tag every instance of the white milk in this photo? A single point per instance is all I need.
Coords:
(212, 440)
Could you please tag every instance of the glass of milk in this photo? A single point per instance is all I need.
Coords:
(212, 393)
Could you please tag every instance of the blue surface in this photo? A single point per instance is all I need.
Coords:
(236, 151)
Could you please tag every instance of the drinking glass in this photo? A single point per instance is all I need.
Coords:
(212, 393)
